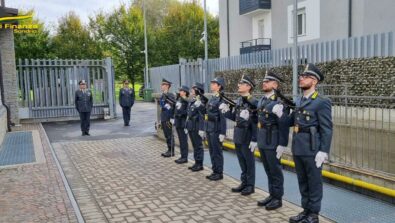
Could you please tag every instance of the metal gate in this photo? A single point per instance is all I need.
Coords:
(47, 87)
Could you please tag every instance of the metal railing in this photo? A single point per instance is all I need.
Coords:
(247, 6)
(256, 42)
(374, 45)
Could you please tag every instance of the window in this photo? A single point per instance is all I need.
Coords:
(261, 28)
(302, 22)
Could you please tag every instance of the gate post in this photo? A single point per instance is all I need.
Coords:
(182, 63)
(8, 66)
(110, 86)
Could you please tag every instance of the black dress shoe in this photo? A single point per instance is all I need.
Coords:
(216, 176)
(265, 201)
(238, 189)
(166, 154)
(209, 176)
(274, 204)
(83, 134)
(87, 133)
(197, 168)
(311, 218)
(248, 190)
(191, 167)
(181, 161)
(299, 218)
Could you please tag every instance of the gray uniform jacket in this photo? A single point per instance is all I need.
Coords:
(312, 121)
(83, 100)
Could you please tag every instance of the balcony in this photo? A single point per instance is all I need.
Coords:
(255, 45)
(248, 6)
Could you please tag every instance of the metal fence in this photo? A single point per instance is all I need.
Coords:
(374, 45)
(364, 130)
(47, 87)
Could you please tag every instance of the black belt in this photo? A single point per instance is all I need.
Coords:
(261, 125)
(298, 129)
(269, 128)
(211, 118)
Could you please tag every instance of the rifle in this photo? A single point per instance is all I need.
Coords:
(202, 97)
(227, 100)
(252, 107)
(170, 100)
(285, 100)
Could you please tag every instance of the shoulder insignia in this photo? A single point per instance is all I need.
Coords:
(315, 95)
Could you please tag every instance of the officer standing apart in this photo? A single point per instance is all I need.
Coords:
(311, 142)
(244, 137)
(180, 115)
(194, 122)
(83, 103)
(166, 116)
(126, 100)
(272, 137)
(215, 129)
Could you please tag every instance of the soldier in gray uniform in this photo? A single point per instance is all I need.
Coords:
(180, 116)
(311, 141)
(215, 129)
(194, 122)
(244, 137)
(167, 103)
(272, 137)
(126, 100)
(83, 103)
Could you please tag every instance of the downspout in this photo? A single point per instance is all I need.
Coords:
(227, 26)
(2, 97)
(349, 18)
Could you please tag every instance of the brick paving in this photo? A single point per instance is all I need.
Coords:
(126, 180)
(34, 192)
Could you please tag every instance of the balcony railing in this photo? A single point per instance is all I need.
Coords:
(247, 6)
(255, 45)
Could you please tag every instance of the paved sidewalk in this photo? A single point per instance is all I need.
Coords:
(34, 192)
(126, 180)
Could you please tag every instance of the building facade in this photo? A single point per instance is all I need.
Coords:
(253, 25)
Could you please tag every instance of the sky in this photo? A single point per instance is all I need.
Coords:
(50, 11)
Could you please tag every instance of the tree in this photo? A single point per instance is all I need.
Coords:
(181, 32)
(74, 41)
(32, 45)
(122, 35)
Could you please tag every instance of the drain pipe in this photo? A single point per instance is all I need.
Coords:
(2, 97)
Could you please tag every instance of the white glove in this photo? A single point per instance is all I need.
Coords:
(167, 106)
(224, 108)
(172, 121)
(178, 105)
(202, 134)
(278, 110)
(280, 150)
(252, 146)
(320, 158)
(245, 114)
(186, 131)
(221, 138)
(198, 103)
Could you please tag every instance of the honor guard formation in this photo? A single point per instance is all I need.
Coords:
(260, 123)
